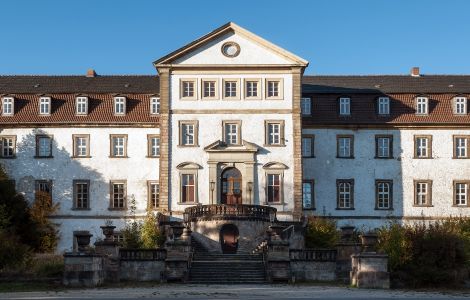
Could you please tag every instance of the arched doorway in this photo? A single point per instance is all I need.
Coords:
(229, 238)
(231, 189)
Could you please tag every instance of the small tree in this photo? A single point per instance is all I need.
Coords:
(321, 233)
(151, 235)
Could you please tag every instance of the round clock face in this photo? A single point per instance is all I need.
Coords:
(230, 49)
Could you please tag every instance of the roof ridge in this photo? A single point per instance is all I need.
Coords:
(388, 75)
(81, 75)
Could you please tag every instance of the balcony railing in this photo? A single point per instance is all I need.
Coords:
(223, 211)
(313, 254)
(142, 254)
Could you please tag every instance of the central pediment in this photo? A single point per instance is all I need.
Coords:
(221, 146)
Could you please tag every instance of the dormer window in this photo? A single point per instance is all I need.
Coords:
(383, 105)
(422, 105)
(45, 105)
(460, 105)
(154, 105)
(8, 106)
(119, 105)
(344, 106)
(81, 107)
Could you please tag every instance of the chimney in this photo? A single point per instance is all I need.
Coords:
(91, 73)
(415, 72)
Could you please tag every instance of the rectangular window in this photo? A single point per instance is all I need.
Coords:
(188, 133)
(423, 192)
(232, 132)
(118, 195)
(306, 106)
(252, 89)
(188, 89)
(384, 146)
(422, 106)
(461, 192)
(45, 106)
(81, 145)
(274, 88)
(423, 146)
(383, 194)
(7, 146)
(274, 133)
(460, 105)
(153, 145)
(43, 191)
(154, 106)
(119, 105)
(231, 89)
(209, 89)
(274, 188)
(383, 104)
(345, 106)
(43, 146)
(81, 194)
(8, 106)
(188, 188)
(81, 105)
(345, 146)
(118, 145)
(153, 194)
(461, 146)
(308, 195)
(308, 146)
(345, 193)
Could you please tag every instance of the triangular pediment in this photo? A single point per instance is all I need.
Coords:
(252, 50)
(220, 146)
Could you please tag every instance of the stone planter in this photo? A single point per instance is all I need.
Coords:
(108, 232)
(368, 241)
(347, 233)
(83, 240)
(177, 231)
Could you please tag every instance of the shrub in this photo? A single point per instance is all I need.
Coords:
(47, 265)
(13, 253)
(321, 233)
(131, 235)
(150, 234)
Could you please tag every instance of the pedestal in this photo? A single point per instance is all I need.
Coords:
(109, 250)
(177, 261)
(83, 270)
(369, 270)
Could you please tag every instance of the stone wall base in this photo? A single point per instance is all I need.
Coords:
(369, 270)
(83, 270)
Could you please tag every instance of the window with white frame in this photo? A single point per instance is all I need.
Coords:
(461, 193)
(306, 106)
(422, 146)
(118, 145)
(119, 105)
(460, 105)
(344, 146)
(43, 146)
(232, 134)
(209, 88)
(307, 194)
(274, 133)
(118, 195)
(188, 89)
(81, 194)
(188, 188)
(230, 89)
(81, 145)
(252, 88)
(345, 193)
(423, 192)
(383, 146)
(154, 105)
(461, 144)
(188, 133)
(8, 106)
(7, 146)
(273, 188)
(81, 107)
(344, 106)
(274, 88)
(154, 194)
(45, 106)
(307, 146)
(422, 105)
(153, 145)
(383, 105)
(383, 194)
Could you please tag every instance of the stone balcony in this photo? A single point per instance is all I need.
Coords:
(231, 212)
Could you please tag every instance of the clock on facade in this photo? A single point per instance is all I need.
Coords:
(230, 49)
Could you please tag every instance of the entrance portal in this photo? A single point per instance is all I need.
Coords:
(229, 238)
(231, 187)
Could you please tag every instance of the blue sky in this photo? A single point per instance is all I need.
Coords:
(337, 37)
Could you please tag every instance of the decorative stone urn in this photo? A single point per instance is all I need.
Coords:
(276, 230)
(83, 240)
(368, 241)
(347, 233)
(177, 231)
(108, 232)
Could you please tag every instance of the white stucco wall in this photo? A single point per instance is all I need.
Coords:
(325, 168)
(100, 169)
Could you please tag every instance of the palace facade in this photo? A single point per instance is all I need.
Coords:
(232, 119)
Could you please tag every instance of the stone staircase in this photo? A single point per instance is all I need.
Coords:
(241, 267)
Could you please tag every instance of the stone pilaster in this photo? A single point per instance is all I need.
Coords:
(164, 172)
(297, 135)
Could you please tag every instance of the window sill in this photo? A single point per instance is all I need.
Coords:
(188, 146)
(385, 209)
(341, 157)
(7, 157)
(46, 157)
(210, 99)
(117, 208)
(153, 156)
(340, 208)
(274, 98)
(378, 157)
(422, 157)
(80, 209)
(188, 98)
(252, 98)
(308, 156)
(274, 145)
(87, 156)
(460, 157)
(461, 206)
(424, 205)
(231, 98)
(118, 156)
(187, 203)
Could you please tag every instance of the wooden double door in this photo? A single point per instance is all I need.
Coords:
(231, 189)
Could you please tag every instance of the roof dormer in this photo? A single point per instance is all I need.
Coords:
(8, 106)
(45, 105)
(81, 105)
(119, 105)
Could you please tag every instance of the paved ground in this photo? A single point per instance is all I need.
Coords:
(264, 292)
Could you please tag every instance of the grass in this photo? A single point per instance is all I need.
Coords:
(12, 287)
